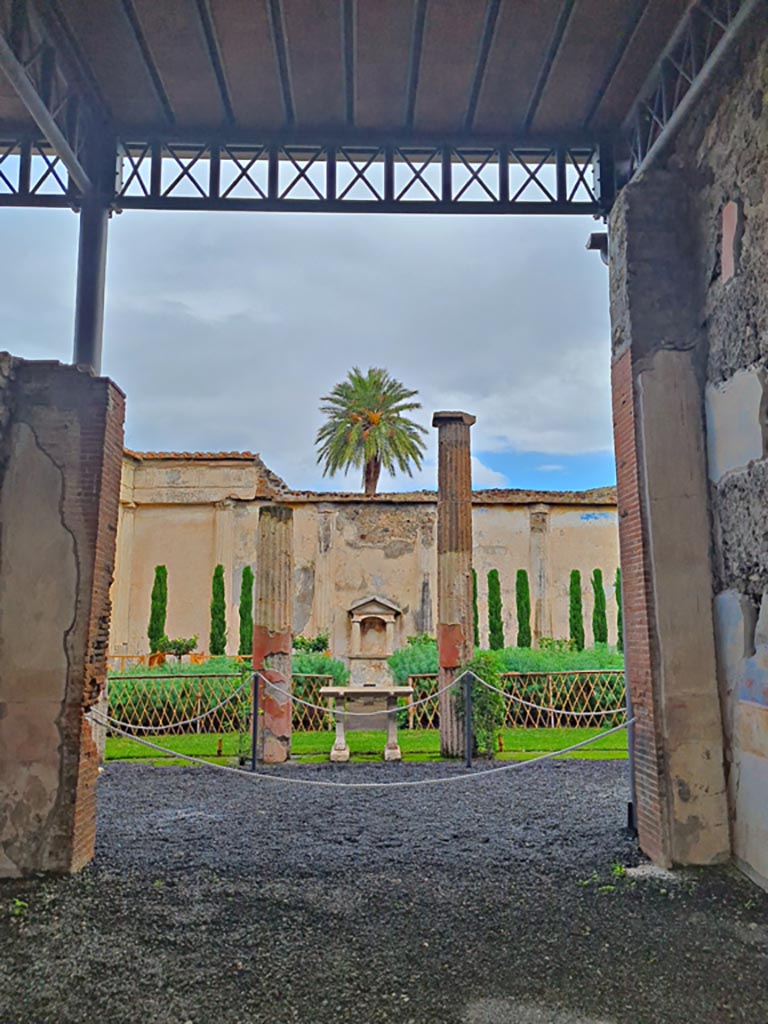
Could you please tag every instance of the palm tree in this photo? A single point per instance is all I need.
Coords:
(366, 428)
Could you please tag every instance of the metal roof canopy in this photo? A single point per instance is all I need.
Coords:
(415, 106)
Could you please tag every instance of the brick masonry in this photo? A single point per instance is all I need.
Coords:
(63, 441)
(637, 612)
(658, 350)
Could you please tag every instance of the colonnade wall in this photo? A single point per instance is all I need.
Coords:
(191, 514)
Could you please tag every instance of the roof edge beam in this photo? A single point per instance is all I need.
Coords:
(27, 92)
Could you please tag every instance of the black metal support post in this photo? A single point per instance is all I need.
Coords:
(254, 722)
(468, 720)
(632, 803)
(91, 276)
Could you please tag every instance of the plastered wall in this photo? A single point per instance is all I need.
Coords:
(191, 514)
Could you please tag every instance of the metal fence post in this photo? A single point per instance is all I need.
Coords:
(468, 720)
(632, 802)
(254, 721)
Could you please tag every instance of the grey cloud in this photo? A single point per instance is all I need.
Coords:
(225, 330)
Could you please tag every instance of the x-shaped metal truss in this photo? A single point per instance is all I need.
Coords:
(707, 24)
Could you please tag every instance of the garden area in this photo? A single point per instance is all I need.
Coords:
(575, 686)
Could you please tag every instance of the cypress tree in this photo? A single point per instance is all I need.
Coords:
(576, 614)
(619, 616)
(523, 601)
(475, 613)
(599, 617)
(495, 622)
(218, 639)
(246, 612)
(158, 608)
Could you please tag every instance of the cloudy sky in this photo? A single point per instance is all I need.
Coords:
(225, 330)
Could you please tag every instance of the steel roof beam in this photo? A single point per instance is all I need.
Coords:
(543, 77)
(414, 67)
(29, 95)
(491, 17)
(348, 49)
(214, 55)
(277, 25)
(621, 50)
(146, 55)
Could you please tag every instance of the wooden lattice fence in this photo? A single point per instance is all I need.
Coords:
(577, 691)
(166, 701)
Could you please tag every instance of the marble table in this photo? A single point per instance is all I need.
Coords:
(366, 698)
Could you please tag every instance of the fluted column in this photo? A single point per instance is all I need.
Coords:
(454, 564)
(273, 630)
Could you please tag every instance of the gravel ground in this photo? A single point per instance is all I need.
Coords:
(214, 900)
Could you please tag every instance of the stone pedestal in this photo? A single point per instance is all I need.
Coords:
(454, 565)
(365, 700)
(273, 632)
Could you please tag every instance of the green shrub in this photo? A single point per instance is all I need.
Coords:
(158, 610)
(418, 657)
(558, 656)
(576, 613)
(619, 615)
(487, 706)
(246, 612)
(599, 616)
(314, 644)
(211, 667)
(218, 638)
(495, 622)
(177, 647)
(523, 601)
(314, 663)
(475, 613)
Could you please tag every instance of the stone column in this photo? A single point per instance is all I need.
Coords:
(539, 556)
(454, 564)
(664, 524)
(224, 554)
(120, 638)
(273, 630)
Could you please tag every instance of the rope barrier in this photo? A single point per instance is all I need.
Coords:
(404, 784)
(542, 707)
(357, 714)
(186, 721)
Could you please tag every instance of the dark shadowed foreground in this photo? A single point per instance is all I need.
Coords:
(216, 900)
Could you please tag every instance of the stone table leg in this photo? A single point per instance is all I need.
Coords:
(392, 750)
(340, 750)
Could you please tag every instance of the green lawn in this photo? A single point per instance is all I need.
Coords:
(416, 744)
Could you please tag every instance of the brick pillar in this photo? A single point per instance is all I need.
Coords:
(454, 564)
(61, 443)
(664, 525)
(273, 630)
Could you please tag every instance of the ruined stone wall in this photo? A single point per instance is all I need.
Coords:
(61, 441)
(724, 153)
(345, 550)
(689, 310)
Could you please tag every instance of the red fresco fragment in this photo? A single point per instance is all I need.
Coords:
(450, 644)
(266, 643)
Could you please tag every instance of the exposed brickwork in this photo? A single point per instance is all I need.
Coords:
(637, 607)
(76, 422)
